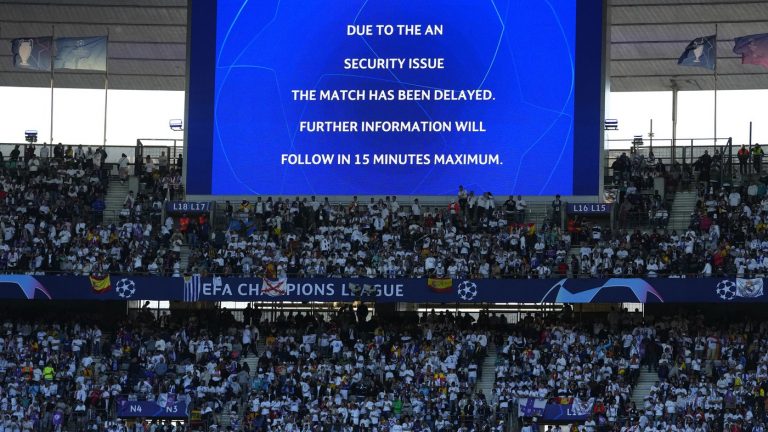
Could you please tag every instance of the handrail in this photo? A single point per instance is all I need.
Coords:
(507, 276)
(113, 151)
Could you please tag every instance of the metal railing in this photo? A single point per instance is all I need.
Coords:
(176, 145)
(686, 153)
(151, 147)
(360, 279)
(627, 143)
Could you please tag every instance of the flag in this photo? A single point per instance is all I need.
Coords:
(582, 407)
(89, 53)
(369, 290)
(100, 283)
(701, 52)
(355, 289)
(749, 288)
(274, 287)
(753, 49)
(362, 290)
(440, 284)
(32, 53)
(192, 286)
(531, 407)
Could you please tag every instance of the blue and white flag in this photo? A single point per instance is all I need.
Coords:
(192, 287)
(701, 52)
(749, 288)
(531, 407)
(32, 53)
(88, 53)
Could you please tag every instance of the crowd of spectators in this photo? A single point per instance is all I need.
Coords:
(728, 228)
(305, 237)
(595, 363)
(48, 207)
(640, 201)
(52, 219)
(383, 238)
(712, 375)
(351, 370)
(347, 374)
(52, 216)
(48, 375)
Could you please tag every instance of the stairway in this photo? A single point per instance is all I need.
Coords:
(488, 372)
(643, 386)
(537, 212)
(253, 364)
(574, 250)
(680, 213)
(227, 415)
(184, 258)
(114, 200)
(253, 360)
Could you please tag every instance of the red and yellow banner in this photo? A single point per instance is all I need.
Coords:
(100, 283)
(440, 285)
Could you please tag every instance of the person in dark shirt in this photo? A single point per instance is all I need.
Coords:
(557, 206)
(509, 209)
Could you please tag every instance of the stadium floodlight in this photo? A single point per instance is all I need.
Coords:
(176, 125)
(611, 124)
(30, 136)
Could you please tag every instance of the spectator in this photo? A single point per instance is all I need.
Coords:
(757, 158)
(122, 167)
(521, 207)
(162, 163)
(557, 206)
(743, 156)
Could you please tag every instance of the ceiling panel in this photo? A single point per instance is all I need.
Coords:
(148, 41)
(648, 36)
(674, 12)
(20, 12)
(147, 48)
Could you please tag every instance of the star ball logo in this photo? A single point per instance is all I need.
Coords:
(467, 290)
(125, 288)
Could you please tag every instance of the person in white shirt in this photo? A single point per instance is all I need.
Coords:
(416, 209)
(246, 341)
(33, 165)
(521, 206)
(122, 167)
(149, 166)
(45, 152)
(734, 199)
(162, 162)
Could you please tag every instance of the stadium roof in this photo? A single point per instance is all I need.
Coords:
(648, 36)
(148, 41)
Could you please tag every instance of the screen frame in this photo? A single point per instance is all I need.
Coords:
(589, 111)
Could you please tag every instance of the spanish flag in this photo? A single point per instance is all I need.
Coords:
(100, 283)
(440, 285)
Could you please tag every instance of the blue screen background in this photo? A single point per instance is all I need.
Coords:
(522, 50)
